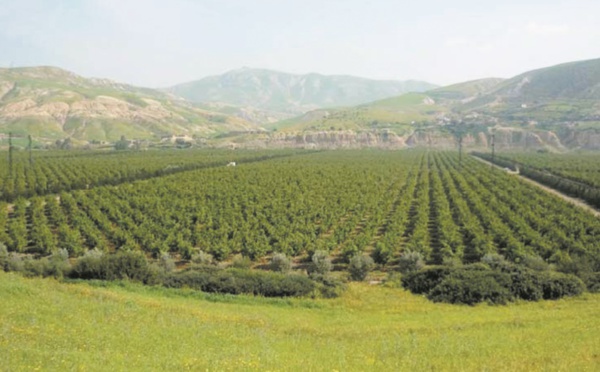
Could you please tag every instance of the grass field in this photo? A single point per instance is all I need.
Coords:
(49, 325)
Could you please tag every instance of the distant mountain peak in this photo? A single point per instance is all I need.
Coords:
(288, 94)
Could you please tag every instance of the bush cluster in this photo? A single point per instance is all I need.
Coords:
(121, 265)
(201, 276)
(56, 265)
(280, 263)
(359, 267)
(471, 284)
(410, 261)
(320, 264)
(242, 281)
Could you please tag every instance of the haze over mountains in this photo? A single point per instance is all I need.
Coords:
(283, 95)
(557, 107)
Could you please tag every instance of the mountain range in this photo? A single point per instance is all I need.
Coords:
(283, 95)
(557, 107)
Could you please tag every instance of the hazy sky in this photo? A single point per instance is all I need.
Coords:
(158, 43)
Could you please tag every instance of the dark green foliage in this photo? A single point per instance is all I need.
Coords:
(90, 266)
(535, 263)
(166, 263)
(472, 287)
(592, 282)
(557, 285)
(13, 263)
(343, 202)
(349, 251)
(202, 258)
(360, 266)
(4, 257)
(280, 263)
(421, 282)
(122, 144)
(121, 265)
(56, 265)
(241, 262)
(493, 260)
(320, 264)
(572, 174)
(329, 286)
(410, 261)
(382, 253)
(526, 285)
(478, 282)
(237, 281)
(125, 265)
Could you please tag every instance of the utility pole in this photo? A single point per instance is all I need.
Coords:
(460, 141)
(493, 147)
(30, 147)
(10, 155)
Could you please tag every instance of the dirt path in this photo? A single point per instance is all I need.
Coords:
(577, 202)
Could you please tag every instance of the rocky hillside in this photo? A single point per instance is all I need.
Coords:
(284, 95)
(559, 94)
(556, 107)
(50, 103)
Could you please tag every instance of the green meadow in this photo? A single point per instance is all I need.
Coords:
(51, 325)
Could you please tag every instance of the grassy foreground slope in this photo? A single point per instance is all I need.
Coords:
(55, 326)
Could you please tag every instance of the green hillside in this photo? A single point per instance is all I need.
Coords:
(397, 114)
(50, 103)
(553, 95)
(556, 107)
(466, 90)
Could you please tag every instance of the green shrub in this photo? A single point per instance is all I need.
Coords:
(410, 261)
(202, 258)
(280, 263)
(493, 260)
(156, 274)
(241, 262)
(32, 268)
(535, 263)
(472, 287)
(56, 265)
(126, 265)
(330, 287)
(89, 266)
(238, 281)
(14, 263)
(382, 253)
(451, 262)
(592, 282)
(359, 267)
(320, 265)
(166, 262)
(122, 265)
(421, 282)
(4, 256)
(526, 285)
(348, 251)
(556, 285)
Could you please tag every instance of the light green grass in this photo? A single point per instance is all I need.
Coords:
(47, 325)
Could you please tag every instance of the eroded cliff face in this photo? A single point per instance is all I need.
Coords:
(505, 138)
(582, 139)
(337, 139)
